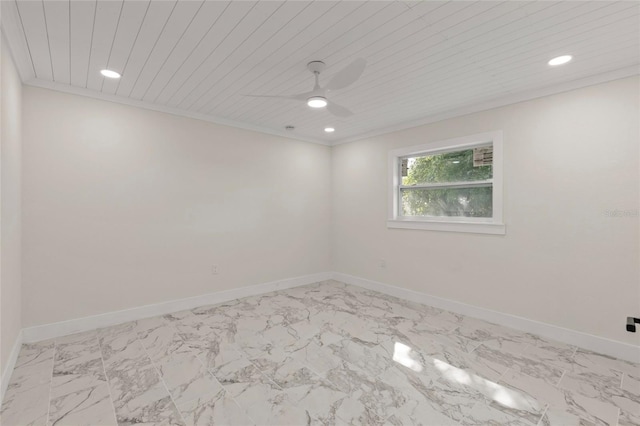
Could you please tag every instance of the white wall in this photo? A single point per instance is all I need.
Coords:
(125, 207)
(569, 158)
(10, 210)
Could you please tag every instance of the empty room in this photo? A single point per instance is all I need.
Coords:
(319, 212)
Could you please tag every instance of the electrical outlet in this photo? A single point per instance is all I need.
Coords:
(214, 269)
(383, 263)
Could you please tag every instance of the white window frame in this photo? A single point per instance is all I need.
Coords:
(492, 225)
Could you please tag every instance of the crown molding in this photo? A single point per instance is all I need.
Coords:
(457, 112)
(80, 91)
(500, 102)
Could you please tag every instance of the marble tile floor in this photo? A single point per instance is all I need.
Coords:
(323, 354)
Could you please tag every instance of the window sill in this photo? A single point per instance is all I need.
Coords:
(468, 227)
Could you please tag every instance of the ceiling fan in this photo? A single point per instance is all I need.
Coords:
(317, 98)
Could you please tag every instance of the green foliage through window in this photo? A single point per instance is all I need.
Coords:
(450, 167)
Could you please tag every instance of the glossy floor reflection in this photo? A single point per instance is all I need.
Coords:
(326, 353)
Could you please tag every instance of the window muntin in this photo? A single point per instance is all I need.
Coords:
(447, 184)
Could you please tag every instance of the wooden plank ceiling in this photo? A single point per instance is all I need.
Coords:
(425, 58)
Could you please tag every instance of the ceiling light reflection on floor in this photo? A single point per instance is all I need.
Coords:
(402, 355)
(500, 394)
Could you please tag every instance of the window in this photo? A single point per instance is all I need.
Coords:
(452, 185)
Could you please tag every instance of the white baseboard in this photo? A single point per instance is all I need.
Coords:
(11, 363)
(583, 340)
(587, 341)
(63, 328)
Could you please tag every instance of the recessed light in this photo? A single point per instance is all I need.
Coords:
(560, 60)
(110, 74)
(329, 129)
(317, 102)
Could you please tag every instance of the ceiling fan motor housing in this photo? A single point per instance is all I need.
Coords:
(316, 66)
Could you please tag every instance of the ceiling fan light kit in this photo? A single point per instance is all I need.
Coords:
(317, 102)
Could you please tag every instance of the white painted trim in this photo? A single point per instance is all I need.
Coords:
(588, 341)
(493, 225)
(468, 227)
(500, 102)
(598, 344)
(63, 328)
(11, 363)
(457, 112)
(80, 91)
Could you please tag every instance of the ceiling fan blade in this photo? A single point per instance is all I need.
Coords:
(347, 76)
(298, 97)
(291, 98)
(337, 110)
(304, 96)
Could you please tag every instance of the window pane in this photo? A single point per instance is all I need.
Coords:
(466, 202)
(457, 166)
